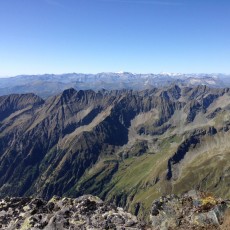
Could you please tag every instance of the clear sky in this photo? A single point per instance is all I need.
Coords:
(90, 36)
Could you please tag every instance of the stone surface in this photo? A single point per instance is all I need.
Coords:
(193, 210)
(85, 212)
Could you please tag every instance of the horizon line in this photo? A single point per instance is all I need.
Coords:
(118, 72)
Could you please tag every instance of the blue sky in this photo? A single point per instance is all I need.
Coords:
(90, 36)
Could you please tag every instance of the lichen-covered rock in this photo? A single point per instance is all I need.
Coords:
(86, 212)
(193, 210)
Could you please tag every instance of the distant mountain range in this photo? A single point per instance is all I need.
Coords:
(49, 84)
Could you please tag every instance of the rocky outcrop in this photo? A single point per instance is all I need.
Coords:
(193, 210)
(86, 212)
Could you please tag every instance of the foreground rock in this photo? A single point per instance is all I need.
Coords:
(86, 212)
(193, 210)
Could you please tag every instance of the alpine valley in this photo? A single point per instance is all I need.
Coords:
(127, 147)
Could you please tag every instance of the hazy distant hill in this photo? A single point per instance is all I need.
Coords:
(128, 147)
(49, 84)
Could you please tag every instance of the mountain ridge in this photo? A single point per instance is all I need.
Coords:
(50, 84)
(127, 147)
